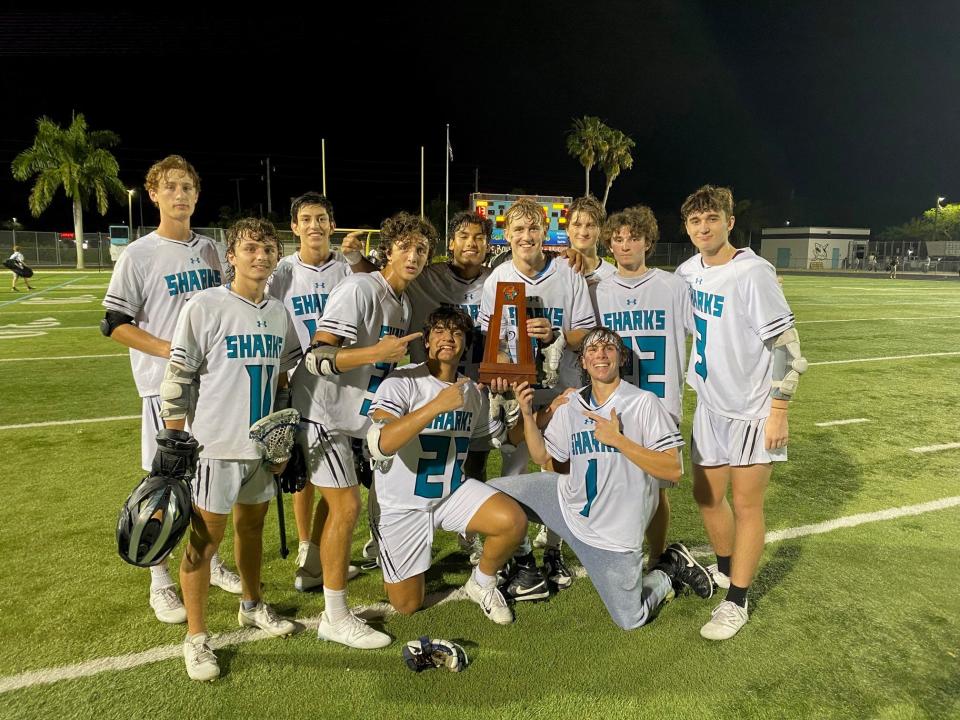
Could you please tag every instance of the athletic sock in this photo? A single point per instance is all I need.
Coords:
(160, 577)
(311, 560)
(737, 595)
(249, 605)
(482, 579)
(723, 564)
(335, 604)
(215, 561)
(554, 541)
(525, 547)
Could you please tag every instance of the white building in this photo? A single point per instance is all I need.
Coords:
(815, 248)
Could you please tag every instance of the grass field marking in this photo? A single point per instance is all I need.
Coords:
(851, 421)
(52, 423)
(49, 676)
(39, 292)
(873, 359)
(62, 357)
(935, 448)
(885, 319)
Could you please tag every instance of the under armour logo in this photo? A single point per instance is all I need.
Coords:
(589, 421)
(261, 323)
(320, 286)
(631, 301)
(194, 261)
(698, 281)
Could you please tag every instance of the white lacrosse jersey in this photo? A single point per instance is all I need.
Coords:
(606, 500)
(556, 293)
(303, 289)
(650, 313)
(151, 283)
(571, 374)
(439, 286)
(362, 309)
(429, 468)
(238, 349)
(601, 272)
(737, 308)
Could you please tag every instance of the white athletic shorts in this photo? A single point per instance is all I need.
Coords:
(719, 440)
(150, 424)
(220, 484)
(406, 536)
(328, 455)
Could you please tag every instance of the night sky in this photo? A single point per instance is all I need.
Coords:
(825, 113)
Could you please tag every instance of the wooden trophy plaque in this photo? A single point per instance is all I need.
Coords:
(525, 369)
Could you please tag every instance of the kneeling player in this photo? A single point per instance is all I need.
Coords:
(611, 441)
(229, 337)
(424, 418)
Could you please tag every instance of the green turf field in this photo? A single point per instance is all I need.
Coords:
(846, 622)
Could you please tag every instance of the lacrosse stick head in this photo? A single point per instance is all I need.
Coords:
(274, 434)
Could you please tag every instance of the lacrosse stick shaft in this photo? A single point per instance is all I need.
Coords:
(284, 550)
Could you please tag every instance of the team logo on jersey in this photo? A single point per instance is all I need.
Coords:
(261, 323)
(631, 301)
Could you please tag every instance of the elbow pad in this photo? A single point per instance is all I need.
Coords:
(112, 320)
(378, 458)
(788, 365)
(177, 392)
(321, 359)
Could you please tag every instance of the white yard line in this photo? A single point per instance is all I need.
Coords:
(884, 319)
(52, 423)
(935, 448)
(38, 292)
(49, 676)
(888, 357)
(62, 357)
(851, 421)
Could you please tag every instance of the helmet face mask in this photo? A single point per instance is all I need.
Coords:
(153, 520)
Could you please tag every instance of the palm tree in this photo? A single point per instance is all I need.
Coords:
(76, 159)
(616, 156)
(585, 142)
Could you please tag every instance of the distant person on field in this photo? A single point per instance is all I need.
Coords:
(18, 259)
(893, 267)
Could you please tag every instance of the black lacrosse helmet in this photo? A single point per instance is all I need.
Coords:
(153, 520)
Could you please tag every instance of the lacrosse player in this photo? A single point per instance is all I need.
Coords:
(424, 418)
(745, 367)
(150, 285)
(229, 338)
(559, 313)
(648, 308)
(608, 445)
(303, 282)
(458, 283)
(360, 337)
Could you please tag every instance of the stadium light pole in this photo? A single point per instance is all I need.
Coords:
(130, 210)
(936, 217)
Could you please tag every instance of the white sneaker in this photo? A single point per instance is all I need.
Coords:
(226, 579)
(371, 550)
(719, 579)
(540, 541)
(199, 658)
(490, 600)
(726, 620)
(167, 606)
(472, 545)
(263, 617)
(352, 632)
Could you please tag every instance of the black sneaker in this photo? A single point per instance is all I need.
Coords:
(683, 570)
(526, 583)
(555, 569)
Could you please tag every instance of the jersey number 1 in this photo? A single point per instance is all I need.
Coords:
(260, 393)
(591, 486)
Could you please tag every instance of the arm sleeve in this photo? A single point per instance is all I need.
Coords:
(393, 397)
(654, 429)
(763, 301)
(582, 314)
(187, 346)
(556, 436)
(125, 292)
(292, 353)
(347, 304)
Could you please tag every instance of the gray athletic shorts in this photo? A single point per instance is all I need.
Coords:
(220, 484)
(405, 536)
(630, 596)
